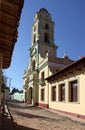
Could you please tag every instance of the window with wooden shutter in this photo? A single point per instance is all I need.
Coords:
(53, 93)
(62, 92)
(73, 91)
(42, 94)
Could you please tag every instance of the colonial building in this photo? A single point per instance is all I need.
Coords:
(43, 60)
(67, 89)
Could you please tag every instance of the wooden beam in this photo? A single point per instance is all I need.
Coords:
(5, 48)
(7, 29)
(65, 74)
(83, 63)
(6, 53)
(8, 19)
(6, 45)
(59, 76)
(15, 2)
(77, 68)
(70, 71)
(8, 42)
(8, 37)
(7, 6)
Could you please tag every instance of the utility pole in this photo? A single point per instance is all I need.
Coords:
(10, 83)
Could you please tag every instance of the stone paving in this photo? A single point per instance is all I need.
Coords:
(34, 118)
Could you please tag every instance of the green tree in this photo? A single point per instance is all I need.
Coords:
(14, 90)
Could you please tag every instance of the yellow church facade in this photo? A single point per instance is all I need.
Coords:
(41, 86)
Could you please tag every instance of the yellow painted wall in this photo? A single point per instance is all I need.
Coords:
(73, 107)
(47, 73)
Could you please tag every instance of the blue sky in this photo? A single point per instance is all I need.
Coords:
(69, 33)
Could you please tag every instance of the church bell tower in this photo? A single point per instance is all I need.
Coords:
(43, 59)
(43, 33)
(42, 46)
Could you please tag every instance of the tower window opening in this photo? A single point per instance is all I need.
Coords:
(46, 37)
(47, 26)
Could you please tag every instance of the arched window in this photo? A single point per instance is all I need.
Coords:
(47, 26)
(46, 37)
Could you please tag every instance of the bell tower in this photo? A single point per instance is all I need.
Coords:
(42, 47)
(43, 59)
(43, 33)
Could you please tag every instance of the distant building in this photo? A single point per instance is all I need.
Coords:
(17, 96)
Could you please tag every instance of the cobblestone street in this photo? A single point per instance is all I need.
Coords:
(33, 118)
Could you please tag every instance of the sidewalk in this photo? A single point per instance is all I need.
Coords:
(6, 119)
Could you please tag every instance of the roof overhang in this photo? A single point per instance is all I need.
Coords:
(10, 12)
(69, 69)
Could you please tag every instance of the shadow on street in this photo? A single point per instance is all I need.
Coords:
(19, 116)
(30, 115)
(7, 121)
(8, 124)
